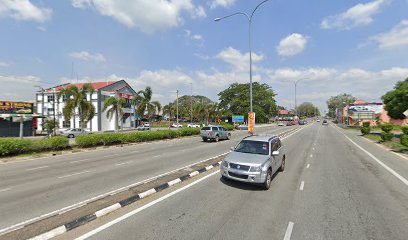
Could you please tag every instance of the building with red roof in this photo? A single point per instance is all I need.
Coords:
(50, 107)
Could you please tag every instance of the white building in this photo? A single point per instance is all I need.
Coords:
(46, 103)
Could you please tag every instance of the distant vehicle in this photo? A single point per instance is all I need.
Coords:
(280, 124)
(192, 125)
(215, 133)
(290, 123)
(146, 124)
(302, 122)
(242, 127)
(74, 132)
(318, 120)
(175, 125)
(143, 127)
(325, 122)
(255, 160)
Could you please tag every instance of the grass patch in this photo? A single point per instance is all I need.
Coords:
(394, 144)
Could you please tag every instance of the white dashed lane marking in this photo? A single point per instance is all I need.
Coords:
(74, 174)
(302, 185)
(308, 165)
(36, 168)
(289, 230)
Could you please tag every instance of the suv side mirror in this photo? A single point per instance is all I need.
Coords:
(232, 148)
(275, 153)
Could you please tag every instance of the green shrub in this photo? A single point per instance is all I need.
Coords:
(405, 129)
(11, 146)
(386, 136)
(229, 127)
(387, 128)
(404, 140)
(132, 137)
(366, 124)
(365, 130)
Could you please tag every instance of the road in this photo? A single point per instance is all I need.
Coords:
(33, 188)
(336, 186)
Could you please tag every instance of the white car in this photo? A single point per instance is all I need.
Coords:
(175, 125)
(280, 124)
(192, 125)
(74, 132)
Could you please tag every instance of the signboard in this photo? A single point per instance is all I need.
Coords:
(406, 113)
(377, 109)
(251, 122)
(126, 96)
(7, 107)
(238, 119)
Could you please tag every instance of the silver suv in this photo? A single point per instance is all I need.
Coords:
(255, 160)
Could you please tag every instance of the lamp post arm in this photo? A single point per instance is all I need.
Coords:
(253, 12)
(237, 13)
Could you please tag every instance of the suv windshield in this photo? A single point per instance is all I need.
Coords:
(253, 147)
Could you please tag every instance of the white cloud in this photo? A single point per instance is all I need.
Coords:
(396, 38)
(201, 56)
(359, 15)
(147, 15)
(198, 37)
(239, 61)
(24, 10)
(291, 45)
(86, 56)
(221, 3)
(199, 12)
(4, 64)
(18, 88)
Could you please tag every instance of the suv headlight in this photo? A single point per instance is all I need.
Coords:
(256, 169)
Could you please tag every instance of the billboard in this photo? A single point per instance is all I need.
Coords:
(8, 107)
(238, 119)
(251, 122)
(376, 108)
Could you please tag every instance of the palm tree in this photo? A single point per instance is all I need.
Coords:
(146, 103)
(77, 98)
(115, 108)
(170, 110)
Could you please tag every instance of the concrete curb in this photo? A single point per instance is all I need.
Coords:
(100, 213)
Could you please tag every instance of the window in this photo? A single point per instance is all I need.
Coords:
(253, 147)
(64, 98)
(50, 98)
(66, 124)
(50, 111)
(275, 145)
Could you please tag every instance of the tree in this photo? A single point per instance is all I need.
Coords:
(77, 98)
(396, 101)
(235, 101)
(308, 109)
(146, 103)
(49, 125)
(114, 107)
(339, 101)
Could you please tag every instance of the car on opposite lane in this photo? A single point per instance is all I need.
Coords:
(214, 133)
(74, 132)
(254, 160)
(325, 122)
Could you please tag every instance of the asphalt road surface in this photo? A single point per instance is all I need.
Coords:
(33, 188)
(336, 186)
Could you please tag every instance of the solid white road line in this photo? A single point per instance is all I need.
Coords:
(302, 185)
(289, 230)
(74, 174)
(36, 168)
(401, 178)
(117, 220)
(308, 165)
(83, 160)
(119, 164)
(5, 189)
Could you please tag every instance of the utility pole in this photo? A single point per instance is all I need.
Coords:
(177, 117)
(191, 98)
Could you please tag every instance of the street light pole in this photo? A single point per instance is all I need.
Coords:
(177, 115)
(249, 18)
(191, 99)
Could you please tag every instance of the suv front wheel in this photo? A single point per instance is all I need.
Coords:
(267, 184)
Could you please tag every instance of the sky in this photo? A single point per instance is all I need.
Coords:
(356, 47)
